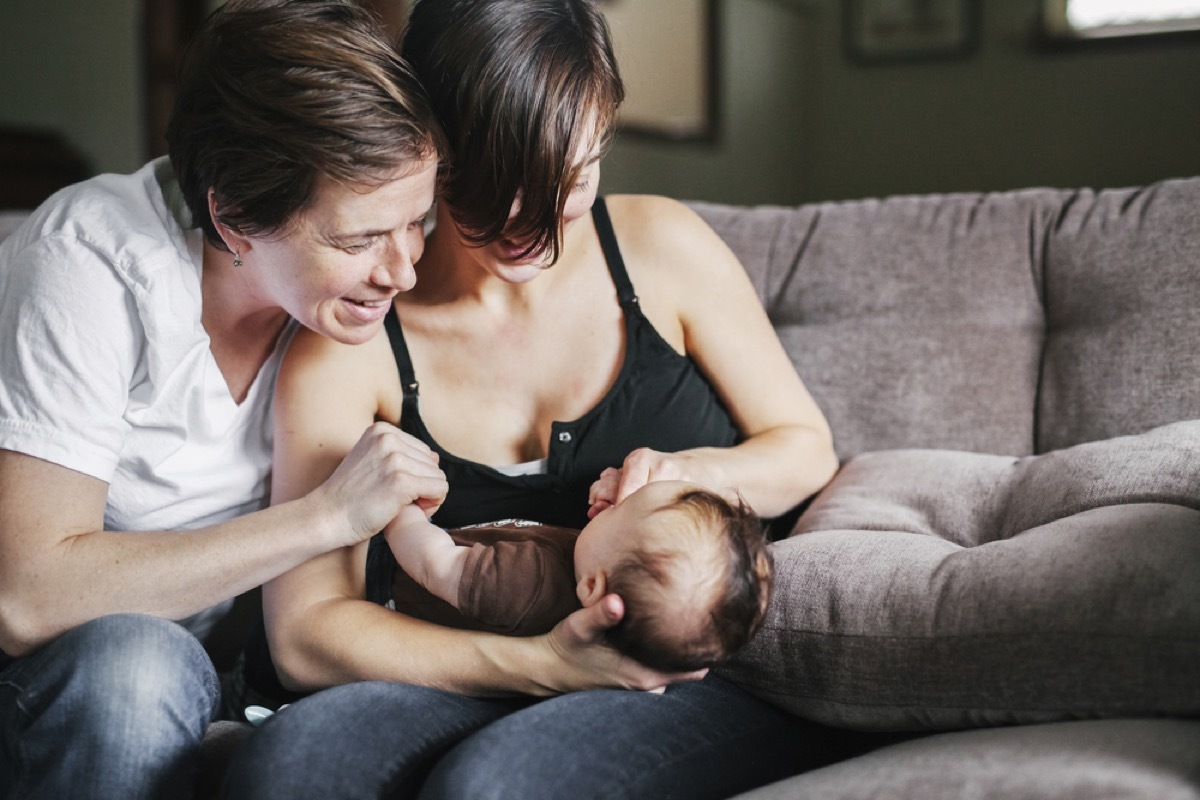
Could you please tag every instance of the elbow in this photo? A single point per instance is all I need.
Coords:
(821, 455)
(827, 465)
(295, 664)
(814, 458)
(295, 676)
(21, 630)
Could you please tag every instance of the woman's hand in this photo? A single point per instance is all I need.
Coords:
(591, 663)
(385, 471)
(645, 465)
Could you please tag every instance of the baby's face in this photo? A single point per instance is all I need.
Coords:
(605, 541)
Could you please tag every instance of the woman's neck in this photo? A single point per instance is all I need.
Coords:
(242, 327)
(450, 271)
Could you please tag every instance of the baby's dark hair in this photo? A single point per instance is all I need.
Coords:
(717, 562)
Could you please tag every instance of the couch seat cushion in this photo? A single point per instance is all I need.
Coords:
(1134, 758)
(940, 590)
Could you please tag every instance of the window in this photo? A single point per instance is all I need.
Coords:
(1095, 19)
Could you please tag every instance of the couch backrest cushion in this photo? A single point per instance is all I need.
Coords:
(1008, 323)
(1122, 290)
(914, 321)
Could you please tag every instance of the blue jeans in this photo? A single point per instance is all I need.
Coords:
(390, 740)
(115, 708)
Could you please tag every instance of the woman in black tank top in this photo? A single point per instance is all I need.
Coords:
(659, 400)
(557, 352)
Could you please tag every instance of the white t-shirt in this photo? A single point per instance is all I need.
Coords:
(106, 369)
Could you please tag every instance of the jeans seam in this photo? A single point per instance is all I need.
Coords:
(19, 773)
(426, 765)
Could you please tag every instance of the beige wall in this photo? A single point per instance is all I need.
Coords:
(799, 122)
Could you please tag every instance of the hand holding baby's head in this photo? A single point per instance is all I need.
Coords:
(692, 568)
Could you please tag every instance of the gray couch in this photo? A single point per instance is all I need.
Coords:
(1007, 565)
(1006, 571)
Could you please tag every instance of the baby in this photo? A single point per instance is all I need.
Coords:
(692, 569)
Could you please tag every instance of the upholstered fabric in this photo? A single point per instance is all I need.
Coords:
(1127, 759)
(1122, 291)
(939, 589)
(914, 321)
(1007, 323)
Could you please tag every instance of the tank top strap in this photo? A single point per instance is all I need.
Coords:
(612, 252)
(408, 377)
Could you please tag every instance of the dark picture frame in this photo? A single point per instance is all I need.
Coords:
(667, 51)
(896, 31)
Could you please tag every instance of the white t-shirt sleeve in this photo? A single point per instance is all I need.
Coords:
(70, 341)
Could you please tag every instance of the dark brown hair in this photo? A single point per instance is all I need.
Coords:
(515, 84)
(276, 94)
(731, 540)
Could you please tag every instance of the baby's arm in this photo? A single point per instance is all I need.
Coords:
(427, 553)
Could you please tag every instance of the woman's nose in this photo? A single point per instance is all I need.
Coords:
(395, 270)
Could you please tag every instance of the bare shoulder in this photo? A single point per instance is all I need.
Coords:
(317, 367)
(644, 220)
(665, 241)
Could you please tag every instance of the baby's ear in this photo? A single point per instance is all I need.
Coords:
(591, 588)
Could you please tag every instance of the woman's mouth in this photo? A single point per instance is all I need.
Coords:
(368, 311)
(517, 252)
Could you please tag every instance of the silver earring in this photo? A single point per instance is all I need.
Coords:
(237, 258)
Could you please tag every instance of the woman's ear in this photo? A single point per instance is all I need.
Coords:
(236, 242)
(591, 588)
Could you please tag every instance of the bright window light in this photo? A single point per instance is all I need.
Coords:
(1121, 17)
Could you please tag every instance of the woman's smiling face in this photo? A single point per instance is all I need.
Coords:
(338, 268)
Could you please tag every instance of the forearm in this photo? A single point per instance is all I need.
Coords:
(772, 470)
(343, 641)
(171, 574)
(427, 554)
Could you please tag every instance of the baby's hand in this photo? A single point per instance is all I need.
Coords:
(640, 467)
(410, 514)
(603, 493)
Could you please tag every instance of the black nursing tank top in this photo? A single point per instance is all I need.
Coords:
(660, 400)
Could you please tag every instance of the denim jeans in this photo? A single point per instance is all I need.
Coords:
(115, 708)
(390, 740)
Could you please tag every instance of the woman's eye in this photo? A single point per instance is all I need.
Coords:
(583, 186)
(358, 247)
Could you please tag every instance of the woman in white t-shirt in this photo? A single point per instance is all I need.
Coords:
(141, 322)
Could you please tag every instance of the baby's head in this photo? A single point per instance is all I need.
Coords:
(692, 568)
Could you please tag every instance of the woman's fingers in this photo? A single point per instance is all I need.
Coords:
(643, 466)
(588, 625)
(580, 641)
(385, 470)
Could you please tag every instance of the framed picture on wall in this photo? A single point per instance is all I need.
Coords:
(888, 31)
(667, 54)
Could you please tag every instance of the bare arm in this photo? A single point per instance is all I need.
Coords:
(427, 553)
(698, 295)
(59, 568)
(323, 632)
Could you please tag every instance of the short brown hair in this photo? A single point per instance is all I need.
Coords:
(730, 540)
(515, 84)
(276, 94)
